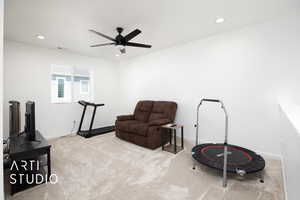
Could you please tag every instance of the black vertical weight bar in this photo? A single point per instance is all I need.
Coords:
(175, 144)
(49, 163)
(182, 137)
(170, 135)
(162, 141)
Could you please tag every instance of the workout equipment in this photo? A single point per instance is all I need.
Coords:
(30, 121)
(14, 118)
(96, 131)
(226, 157)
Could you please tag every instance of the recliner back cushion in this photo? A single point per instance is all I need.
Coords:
(142, 110)
(163, 110)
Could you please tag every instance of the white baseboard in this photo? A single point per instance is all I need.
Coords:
(284, 179)
(270, 155)
(57, 136)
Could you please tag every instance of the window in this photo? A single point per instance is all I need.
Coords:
(81, 87)
(70, 85)
(84, 86)
(61, 88)
(61, 85)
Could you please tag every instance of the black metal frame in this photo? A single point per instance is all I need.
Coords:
(176, 148)
(92, 132)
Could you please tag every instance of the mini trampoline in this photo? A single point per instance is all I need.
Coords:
(226, 157)
(239, 159)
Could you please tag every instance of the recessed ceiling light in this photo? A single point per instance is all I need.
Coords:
(117, 55)
(220, 20)
(41, 37)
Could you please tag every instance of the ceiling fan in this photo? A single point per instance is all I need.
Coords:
(121, 41)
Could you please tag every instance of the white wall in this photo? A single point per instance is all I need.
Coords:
(27, 77)
(248, 69)
(290, 147)
(1, 98)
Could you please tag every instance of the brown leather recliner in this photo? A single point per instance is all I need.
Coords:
(144, 126)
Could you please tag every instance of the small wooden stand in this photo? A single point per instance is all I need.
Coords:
(173, 148)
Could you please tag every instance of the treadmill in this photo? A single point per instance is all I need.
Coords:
(92, 131)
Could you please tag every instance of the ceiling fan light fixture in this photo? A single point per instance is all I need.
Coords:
(121, 48)
(41, 37)
(220, 20)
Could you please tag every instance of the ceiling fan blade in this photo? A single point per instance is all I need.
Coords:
(100, 45)
(101, 34)
(132, 44)
(132, 34)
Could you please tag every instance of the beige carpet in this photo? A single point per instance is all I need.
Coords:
(107, 168)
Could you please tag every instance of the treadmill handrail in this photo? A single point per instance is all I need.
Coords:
(100, 104)
(86, 103)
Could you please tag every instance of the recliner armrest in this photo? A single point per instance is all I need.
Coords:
(125, 117)
(159, 122)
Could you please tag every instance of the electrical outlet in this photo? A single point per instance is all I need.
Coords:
(73, 127)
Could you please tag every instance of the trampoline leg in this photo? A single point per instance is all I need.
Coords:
(194, 164)
(261, 177)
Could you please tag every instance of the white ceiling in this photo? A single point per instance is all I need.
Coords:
(163, 23)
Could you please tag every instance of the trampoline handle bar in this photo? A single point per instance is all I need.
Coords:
(215, 101)
(225, 138)
(226, 117)
(211, 100)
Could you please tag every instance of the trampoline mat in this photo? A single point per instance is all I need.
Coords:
(238, 158)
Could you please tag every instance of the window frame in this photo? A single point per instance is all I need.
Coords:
(70, 98)
(88, 86)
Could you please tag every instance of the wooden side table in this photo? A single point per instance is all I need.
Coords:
(173, 148)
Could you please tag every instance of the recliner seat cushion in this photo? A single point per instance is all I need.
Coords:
(124, 125)
(140, 128)
(142, 110)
